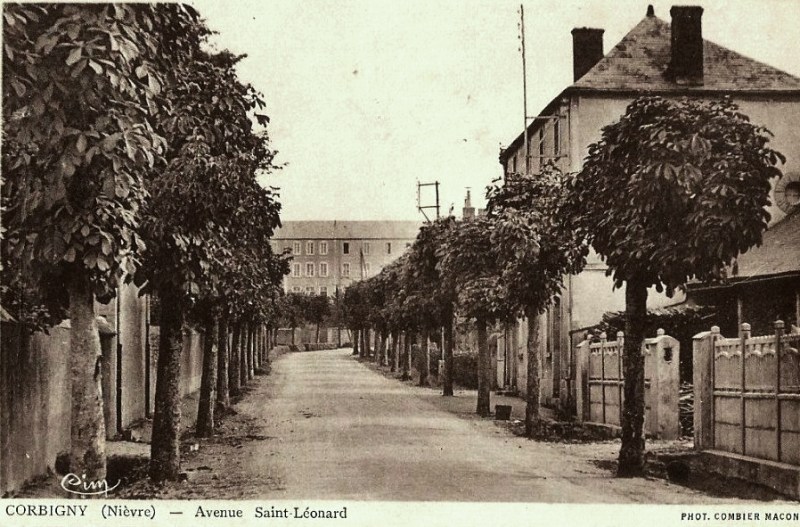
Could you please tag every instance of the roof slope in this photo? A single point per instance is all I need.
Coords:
(779, 252)
(640, 59)
(334, 229)
(636, 65)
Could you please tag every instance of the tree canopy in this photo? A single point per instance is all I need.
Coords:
(675, 190)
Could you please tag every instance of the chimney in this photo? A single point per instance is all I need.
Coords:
(686, 63)
(587, 50)
(469, 210)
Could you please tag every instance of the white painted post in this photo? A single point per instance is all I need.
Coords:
(703, 379)
(582, 386)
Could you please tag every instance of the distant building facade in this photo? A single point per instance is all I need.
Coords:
(330, 255)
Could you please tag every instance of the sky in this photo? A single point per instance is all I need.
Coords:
(369, 97)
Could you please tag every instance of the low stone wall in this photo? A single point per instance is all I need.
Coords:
(35, 412)
(34, 402)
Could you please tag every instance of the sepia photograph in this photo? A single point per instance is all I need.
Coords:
(269, 262)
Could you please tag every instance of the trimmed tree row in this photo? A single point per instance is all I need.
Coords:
(674, 190)
(131, 152)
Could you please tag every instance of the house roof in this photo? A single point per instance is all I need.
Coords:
(344, 230)
(640, 59)
(637, 64)
(778, 254)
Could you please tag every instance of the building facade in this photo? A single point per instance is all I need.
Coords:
(659, 58)
(327, 256)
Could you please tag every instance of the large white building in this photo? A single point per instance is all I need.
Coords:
(330, 255)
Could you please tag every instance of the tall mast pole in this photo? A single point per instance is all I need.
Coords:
(437, 200)
(524, 91)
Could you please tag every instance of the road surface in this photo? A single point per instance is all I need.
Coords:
(324, 426)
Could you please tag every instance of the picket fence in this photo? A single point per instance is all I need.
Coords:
(747, 394)
(599, 391)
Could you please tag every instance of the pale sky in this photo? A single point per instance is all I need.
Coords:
(368, 97)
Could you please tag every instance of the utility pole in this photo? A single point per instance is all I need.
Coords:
(437, 200)
(524, 90)
(421, 208)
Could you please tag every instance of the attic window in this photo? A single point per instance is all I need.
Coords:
(792, 193)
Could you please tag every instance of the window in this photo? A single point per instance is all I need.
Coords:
(323, 291)
(309, 290)
(323, 268)
(345, 269)
(366, 247)
(366, 268)
(297, 248)
(296, 289)
(323, 247)
(541, 142)
(388, 247)
(296, 269)
(309, 247)
(345, 248)
(309, 269)
(556, 137)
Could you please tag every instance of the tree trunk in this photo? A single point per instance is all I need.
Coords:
(208, 383)
(268, 346)
(88, 431)
(317, 332)
(382, 349)
(165, 456)
(395, 359)
(532, 396)
(484, 370)
(251, 372)
(234, 362)
(425, 359)
(631, 453)
(262, 345)
(223, 396)
(447, 357)
(406, 357)
(244, 355)
(248, 354)
(293, 328)
(257, 347)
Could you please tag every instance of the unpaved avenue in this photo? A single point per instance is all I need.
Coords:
(338, 430)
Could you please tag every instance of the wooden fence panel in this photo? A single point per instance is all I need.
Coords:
(600, 384)
(755, 408)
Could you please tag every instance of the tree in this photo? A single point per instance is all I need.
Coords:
(469, 267)
(82, 86)
(291, 308)
(355, 312)
(535, 246)
(674, 190)
(214, 154)
(423, 278)
(317, 309)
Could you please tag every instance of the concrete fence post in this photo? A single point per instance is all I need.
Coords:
(667, 372)
(703, 379)
(108, 340)
(582, 385)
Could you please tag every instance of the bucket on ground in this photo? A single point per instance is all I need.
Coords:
(502, 412)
